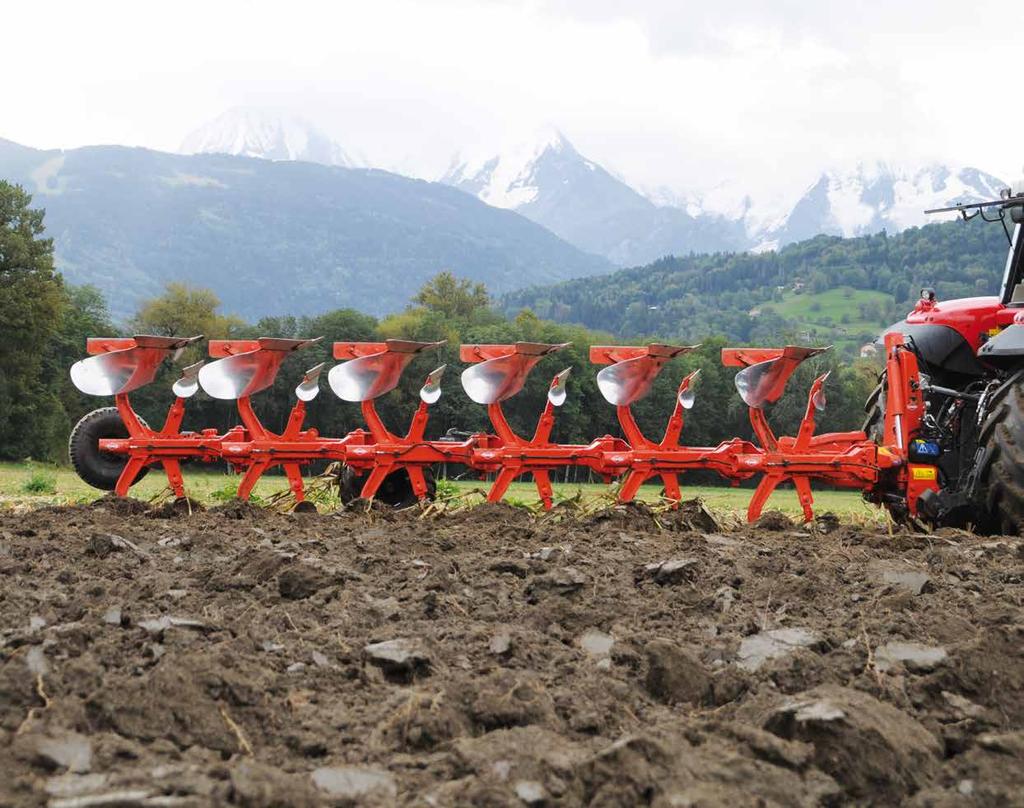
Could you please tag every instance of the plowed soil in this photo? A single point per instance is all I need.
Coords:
(237, 656)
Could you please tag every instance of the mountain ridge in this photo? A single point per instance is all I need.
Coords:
(269, 135)
(546, 179)
(273, 237)
(578, 199)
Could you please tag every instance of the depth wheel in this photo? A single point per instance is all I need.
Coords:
(99, 469)
(396, 490)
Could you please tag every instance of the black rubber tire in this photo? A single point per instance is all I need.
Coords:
(874, 423)
(99, 469)
(396, 490)
(1000, 475)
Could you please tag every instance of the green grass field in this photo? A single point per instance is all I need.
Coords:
(32, 484)
(822, 314)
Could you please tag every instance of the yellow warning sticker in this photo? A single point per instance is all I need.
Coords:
(923, 472)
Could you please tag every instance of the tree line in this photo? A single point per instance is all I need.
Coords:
(688, 297)
(44, 323)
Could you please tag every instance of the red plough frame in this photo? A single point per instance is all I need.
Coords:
(369, 370)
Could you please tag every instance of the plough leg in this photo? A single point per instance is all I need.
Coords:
(373, 481)
(128, 475)
(418, 480)
(543, 481)
(252, 475)
(806, 497)
(631, 485)
(501, 484)
(172, 468)
(295, 481)
(761, 494)
(672, 492)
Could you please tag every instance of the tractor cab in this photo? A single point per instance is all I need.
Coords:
(1008, 211)
(1011, 292)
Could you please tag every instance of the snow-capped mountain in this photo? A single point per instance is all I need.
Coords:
(510, 178)
(545, 179)
(874, 196)
(849, 201)
(267, 134)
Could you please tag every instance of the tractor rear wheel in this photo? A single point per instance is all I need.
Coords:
(99, 469)
(396, 490)
(874, 408)
(1000, 473)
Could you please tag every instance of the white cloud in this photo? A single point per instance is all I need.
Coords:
(666, 93)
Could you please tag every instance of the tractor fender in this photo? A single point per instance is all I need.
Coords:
(942, 350)
(1005, 349)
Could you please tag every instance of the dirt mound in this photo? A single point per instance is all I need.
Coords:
(773, 520)
(119, 506)
(634, 656)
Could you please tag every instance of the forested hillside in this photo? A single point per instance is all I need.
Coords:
(273, 237)
(762, 297)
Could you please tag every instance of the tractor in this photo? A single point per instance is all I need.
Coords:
(970, 353)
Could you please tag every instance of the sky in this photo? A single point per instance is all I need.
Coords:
(672, 93)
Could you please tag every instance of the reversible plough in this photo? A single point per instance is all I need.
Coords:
(368, 370)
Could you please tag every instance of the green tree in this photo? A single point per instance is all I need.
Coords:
(31, 308)
(85, 315)
(454, 298)
(185, 311)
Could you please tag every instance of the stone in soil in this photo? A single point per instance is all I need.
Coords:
(914, 656)
(757, 649)
(597, 643)
(402, 659)
(899, 577)
(501, 642)
(68, 751)
(563, 581)
(355, 782)
(670, 572)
